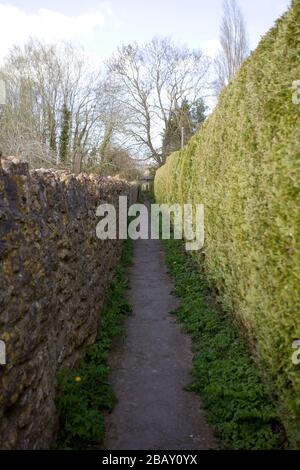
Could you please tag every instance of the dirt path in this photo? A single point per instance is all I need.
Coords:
(152, 366)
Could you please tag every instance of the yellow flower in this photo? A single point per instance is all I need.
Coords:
(77, 379)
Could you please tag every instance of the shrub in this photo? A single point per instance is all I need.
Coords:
(243, 165)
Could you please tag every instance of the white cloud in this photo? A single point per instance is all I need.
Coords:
(16, 26)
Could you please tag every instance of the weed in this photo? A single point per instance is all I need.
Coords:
(224, 372)
(83, 394)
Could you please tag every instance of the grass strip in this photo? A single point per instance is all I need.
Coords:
(83, 394)
(224, 373)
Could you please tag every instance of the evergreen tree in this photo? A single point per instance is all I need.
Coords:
(65, 133)
(183, 122)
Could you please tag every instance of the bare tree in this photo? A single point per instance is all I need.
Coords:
(150, 82)
(60, 111)
(56, 108)
(234, 44)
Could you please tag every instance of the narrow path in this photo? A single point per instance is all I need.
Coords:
(152, 367)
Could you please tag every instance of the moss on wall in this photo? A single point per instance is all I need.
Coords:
(54, 276)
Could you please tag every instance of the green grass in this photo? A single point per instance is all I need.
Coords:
(224, 373)
(84, 393)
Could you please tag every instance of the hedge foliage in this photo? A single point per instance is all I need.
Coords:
(243, 165)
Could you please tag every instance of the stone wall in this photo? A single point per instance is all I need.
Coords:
(54, 274)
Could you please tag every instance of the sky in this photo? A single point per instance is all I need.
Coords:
(101, 26)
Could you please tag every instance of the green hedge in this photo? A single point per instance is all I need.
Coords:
(243, 165)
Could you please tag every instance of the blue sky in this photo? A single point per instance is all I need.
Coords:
(101, 26)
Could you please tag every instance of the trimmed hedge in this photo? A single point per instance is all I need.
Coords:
(244, 166)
